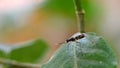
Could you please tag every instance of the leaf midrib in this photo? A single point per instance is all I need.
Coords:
(75, 57)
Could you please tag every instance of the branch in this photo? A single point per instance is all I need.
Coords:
(80, 15)
(14, 63)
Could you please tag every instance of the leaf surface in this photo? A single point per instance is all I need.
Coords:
(89, 52)
(30, 52)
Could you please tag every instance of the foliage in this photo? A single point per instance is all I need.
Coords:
(89, 52)
(30, 52)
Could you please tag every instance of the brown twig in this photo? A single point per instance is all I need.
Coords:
(15, 63)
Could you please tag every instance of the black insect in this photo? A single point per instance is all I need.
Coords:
(76, 38)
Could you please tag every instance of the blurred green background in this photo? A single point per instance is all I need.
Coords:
(54, 21)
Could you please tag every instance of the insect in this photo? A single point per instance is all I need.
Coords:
(75, 38)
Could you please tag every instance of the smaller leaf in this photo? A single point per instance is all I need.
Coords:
(2, 54)
(89, 52)
(31, 52)
(5, 50)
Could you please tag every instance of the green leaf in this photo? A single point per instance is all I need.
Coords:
(89, 52)
(2, 54)
(31, 52)
(5, 50)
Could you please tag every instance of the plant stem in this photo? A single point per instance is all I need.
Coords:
(14, 63)
(80, 15)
